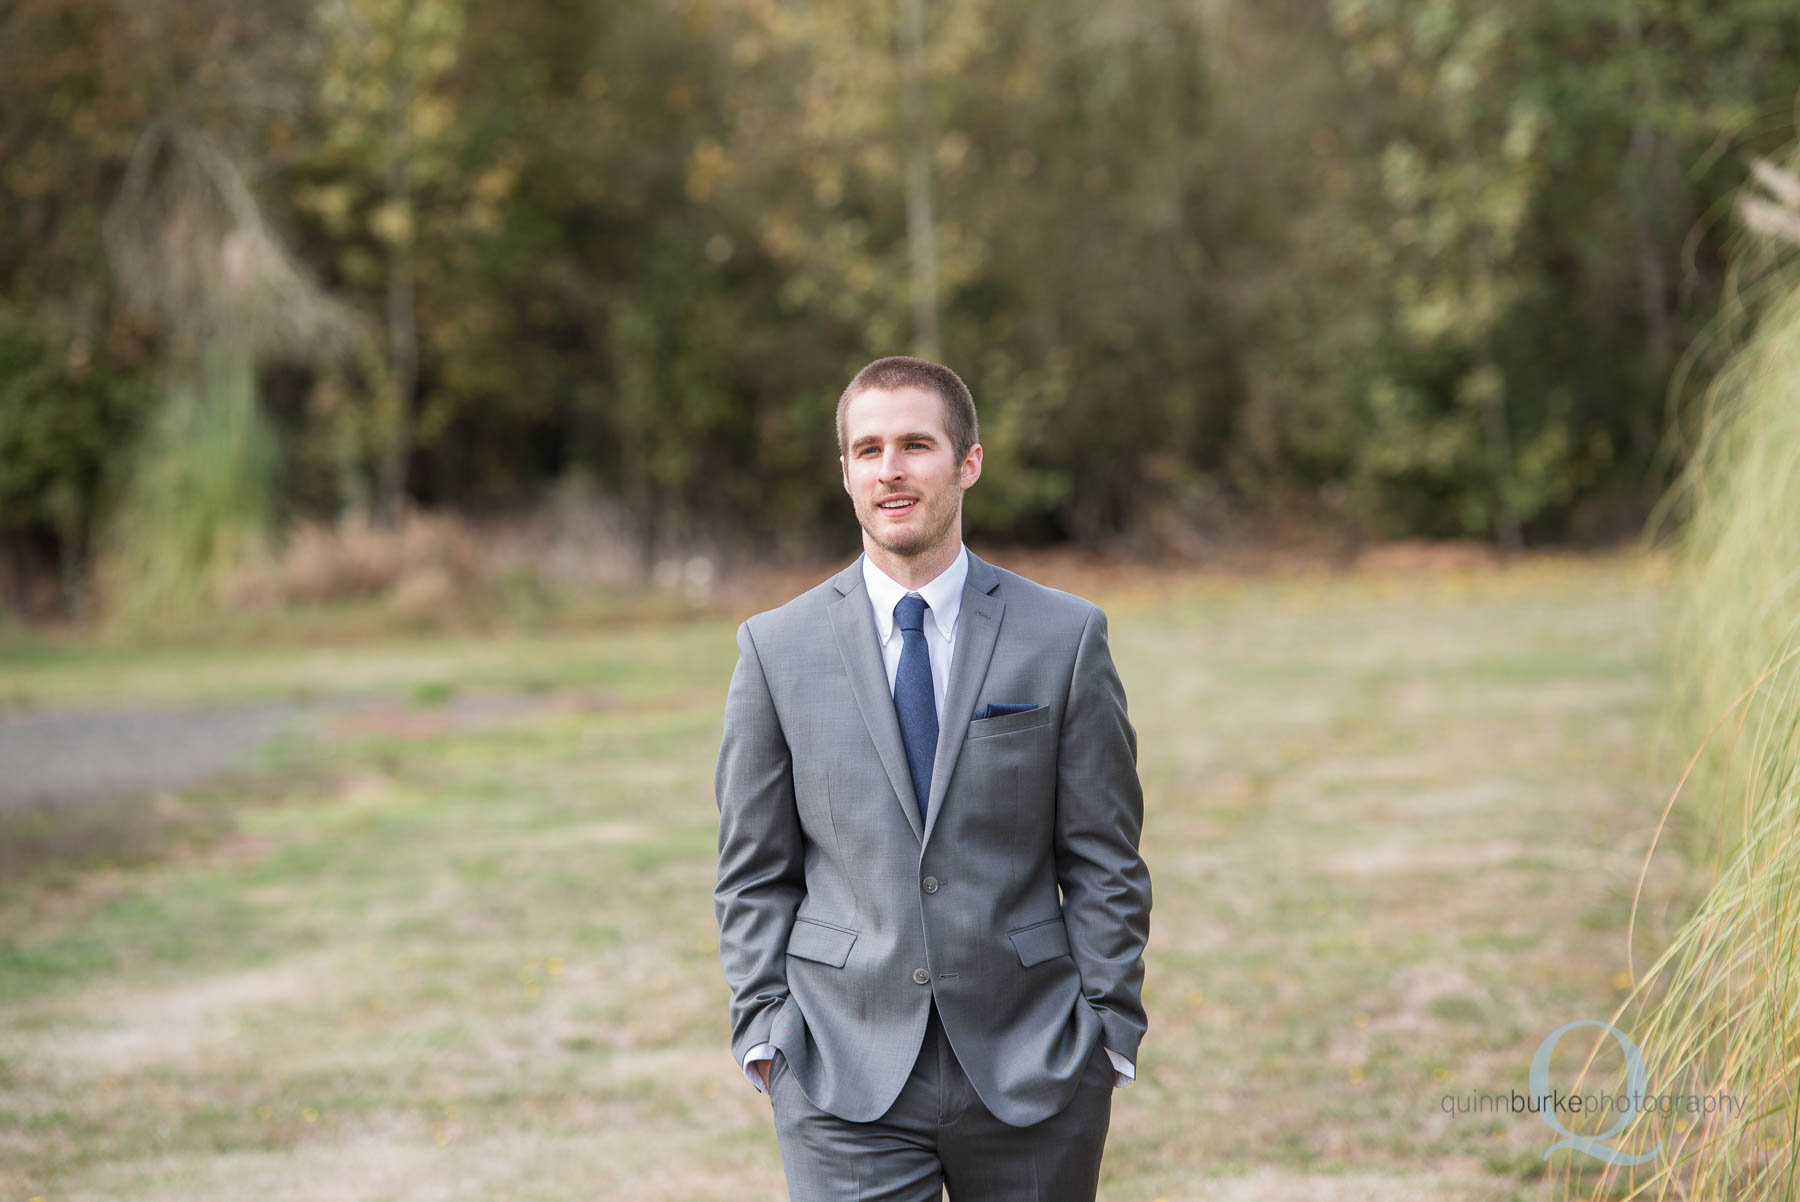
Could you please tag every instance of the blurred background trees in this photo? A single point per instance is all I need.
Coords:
(1428, 268)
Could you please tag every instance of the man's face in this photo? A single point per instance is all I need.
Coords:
(901, 471)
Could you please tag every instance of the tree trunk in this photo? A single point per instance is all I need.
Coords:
(920, 222)
(403, 338)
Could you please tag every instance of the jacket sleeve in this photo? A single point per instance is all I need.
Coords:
(1099, 817)
(762, 860)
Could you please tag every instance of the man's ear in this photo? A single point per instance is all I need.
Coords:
(844, 468)
(971, 466)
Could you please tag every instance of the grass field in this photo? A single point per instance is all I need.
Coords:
(462, 944)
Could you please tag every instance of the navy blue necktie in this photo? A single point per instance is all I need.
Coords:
(915, 701)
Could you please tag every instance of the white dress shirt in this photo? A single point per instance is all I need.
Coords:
(943, 605)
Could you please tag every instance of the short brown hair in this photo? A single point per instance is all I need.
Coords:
(904, 371)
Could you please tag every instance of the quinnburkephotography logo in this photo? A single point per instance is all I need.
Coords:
(1558, 1108)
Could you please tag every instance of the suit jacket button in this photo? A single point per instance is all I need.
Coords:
(921, 976)
(931, 884)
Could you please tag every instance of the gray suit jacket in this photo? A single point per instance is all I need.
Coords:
(840, 916)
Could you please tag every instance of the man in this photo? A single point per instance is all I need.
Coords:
(918, 754)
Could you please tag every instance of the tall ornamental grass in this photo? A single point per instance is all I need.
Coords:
(200, 500)
(1720, 1009)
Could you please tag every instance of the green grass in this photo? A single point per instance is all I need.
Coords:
(1389, 821)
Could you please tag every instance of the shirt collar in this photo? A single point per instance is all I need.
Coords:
(943, 594)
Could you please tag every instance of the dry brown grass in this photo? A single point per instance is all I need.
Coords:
(1391, 818)
(569, 545)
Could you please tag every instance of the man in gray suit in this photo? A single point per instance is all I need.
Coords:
(932, 910)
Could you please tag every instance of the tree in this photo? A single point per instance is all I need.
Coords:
(385, 144)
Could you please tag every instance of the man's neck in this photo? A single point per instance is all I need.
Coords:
(914, 571)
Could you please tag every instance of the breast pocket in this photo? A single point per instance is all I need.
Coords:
(1008, 724)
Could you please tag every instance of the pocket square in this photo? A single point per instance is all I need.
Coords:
(995, 709)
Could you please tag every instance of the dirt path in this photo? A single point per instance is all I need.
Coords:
(71, 756)
(93, 754)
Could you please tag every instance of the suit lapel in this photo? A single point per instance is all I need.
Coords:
(853, 625)
(977, 629)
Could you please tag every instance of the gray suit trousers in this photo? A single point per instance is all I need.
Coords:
(938, 1134)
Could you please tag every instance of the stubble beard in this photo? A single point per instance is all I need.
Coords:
(908, 544)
